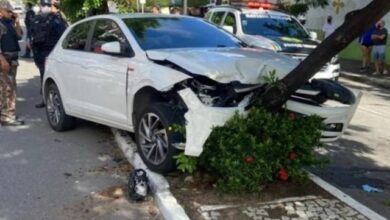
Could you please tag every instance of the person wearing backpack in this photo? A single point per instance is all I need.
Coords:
(47, 28)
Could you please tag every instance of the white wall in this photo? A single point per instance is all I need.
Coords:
(316, 16)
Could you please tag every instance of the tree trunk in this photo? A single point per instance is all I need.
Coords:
(356, 22)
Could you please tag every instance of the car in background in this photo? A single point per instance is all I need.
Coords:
(258, 26)
(144, 73)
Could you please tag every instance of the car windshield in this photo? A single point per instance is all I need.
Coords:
(271, 25)
(181, 32)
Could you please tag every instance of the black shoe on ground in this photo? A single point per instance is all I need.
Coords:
(15, 122)
(40, 105)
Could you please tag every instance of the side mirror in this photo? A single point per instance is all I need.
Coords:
(230, 29)
(313, 35)
(112, 48)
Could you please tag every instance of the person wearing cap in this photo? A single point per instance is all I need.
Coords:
(10, 33)
(47, 29)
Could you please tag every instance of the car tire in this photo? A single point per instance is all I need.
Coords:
(154, 138)
(55, 112)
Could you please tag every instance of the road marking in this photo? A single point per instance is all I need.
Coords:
(345, 198)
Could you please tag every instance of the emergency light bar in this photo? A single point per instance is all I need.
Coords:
(253, 4)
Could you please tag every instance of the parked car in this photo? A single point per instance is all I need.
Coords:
(274, 30)
(145, 73)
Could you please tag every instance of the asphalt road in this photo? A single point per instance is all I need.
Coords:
(73, 175)
(362, 156)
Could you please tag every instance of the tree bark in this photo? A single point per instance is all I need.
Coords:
(356, 22)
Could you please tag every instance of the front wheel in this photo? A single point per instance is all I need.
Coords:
(55, 112)
(155, 139)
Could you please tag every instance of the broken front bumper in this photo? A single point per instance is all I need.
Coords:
(200, 119)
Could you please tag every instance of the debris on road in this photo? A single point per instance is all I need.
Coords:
(368, 188)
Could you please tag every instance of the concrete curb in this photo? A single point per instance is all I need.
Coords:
(169, 206)
(364, 210)
(381, 82)
(166, 202)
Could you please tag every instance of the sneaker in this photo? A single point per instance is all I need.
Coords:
(385, 72)
(364, 69)
(15, 122)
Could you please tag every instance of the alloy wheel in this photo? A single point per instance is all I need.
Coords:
(153, 138)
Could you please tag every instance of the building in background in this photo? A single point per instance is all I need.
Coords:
(316, 18)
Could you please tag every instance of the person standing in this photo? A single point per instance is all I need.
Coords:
(156, 9)
(47, 29)
(366, 44)
(328, 27)
(10, 33)
(30, 14)
(379, 38)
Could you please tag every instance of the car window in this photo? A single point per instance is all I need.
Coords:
(272, 25)
(207, 15)
(106, 31)
(77, 37)
(178, 32)
(217, 17)
(230, 20)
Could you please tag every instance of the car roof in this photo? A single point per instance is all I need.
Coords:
(253, 11)
(131, 15)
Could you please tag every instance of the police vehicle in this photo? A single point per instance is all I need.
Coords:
(258, 25)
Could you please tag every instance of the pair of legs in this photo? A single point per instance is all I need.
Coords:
(366, 56)
(40, 57)
(8, 97)
(379, 56)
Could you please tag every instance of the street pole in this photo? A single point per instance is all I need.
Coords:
(142, 5)
(185, 7)
(137, 6)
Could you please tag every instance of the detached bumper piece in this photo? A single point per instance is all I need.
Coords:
(329, 100)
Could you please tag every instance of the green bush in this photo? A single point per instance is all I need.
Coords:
(258, 148)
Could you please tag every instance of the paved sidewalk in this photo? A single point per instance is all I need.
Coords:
(350, 69)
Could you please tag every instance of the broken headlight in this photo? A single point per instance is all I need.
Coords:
(216, 94)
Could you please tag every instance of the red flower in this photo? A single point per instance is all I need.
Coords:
(291, 116)
(292, 156)
(283, 174)
(249, 159)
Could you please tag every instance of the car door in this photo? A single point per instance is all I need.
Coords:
(105, 79)
(230, 21)
(70, 64)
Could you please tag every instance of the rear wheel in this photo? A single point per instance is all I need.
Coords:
(155, 139)
(55, 112)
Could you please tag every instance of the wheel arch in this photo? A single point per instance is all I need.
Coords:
(143, 98)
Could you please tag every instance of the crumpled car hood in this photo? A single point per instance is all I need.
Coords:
(224, 65)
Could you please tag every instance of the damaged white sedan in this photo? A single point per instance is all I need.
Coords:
(144, 73)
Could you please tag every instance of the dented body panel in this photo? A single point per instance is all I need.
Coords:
(225, 65)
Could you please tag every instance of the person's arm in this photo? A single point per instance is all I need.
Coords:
(4, 64)
(18, 28)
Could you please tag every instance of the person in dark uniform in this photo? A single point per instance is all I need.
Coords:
(46, 30)
(30, 14)
(11, 33)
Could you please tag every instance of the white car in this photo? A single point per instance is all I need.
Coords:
(144, 73)
(273, 30)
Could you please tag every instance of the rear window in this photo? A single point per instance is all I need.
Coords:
(178, 32)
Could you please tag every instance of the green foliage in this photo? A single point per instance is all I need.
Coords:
(250, 150)
(271, 78)
(186, 164)
(302, 6)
